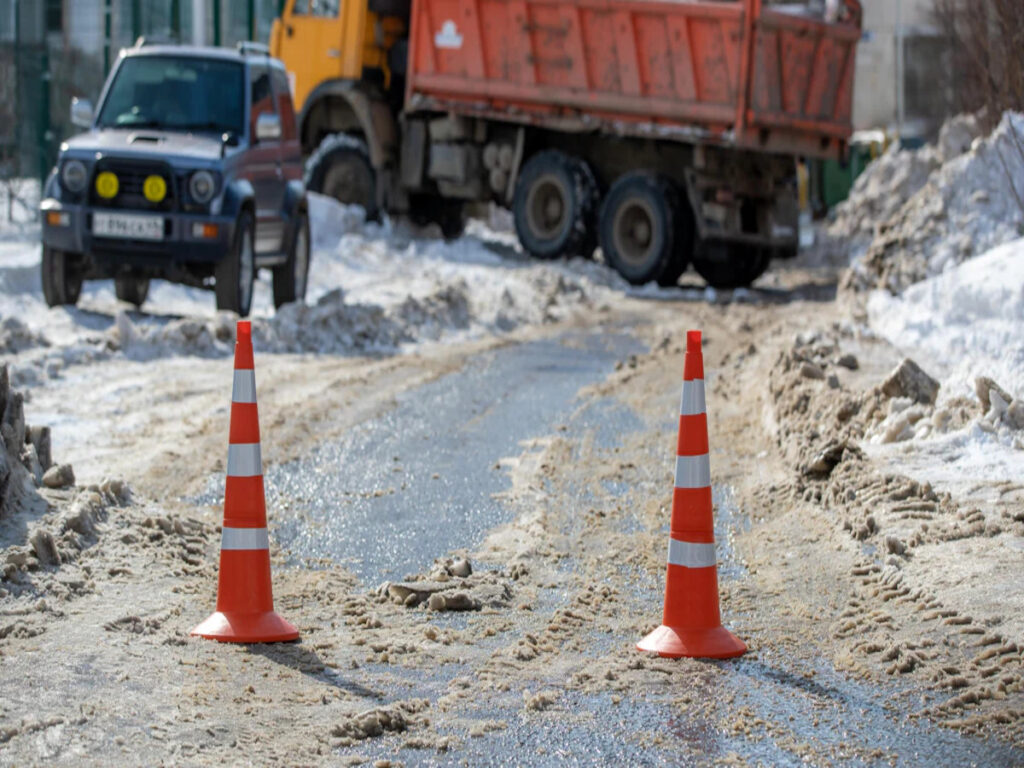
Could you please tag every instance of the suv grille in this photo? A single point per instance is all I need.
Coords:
(131, 176)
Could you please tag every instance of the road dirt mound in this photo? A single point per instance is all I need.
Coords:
(920, 604)
(25, 459)
(916, 213)
(451, 585)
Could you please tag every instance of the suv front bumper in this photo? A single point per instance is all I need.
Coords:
(68, 227)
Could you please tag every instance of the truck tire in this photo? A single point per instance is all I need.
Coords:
(61, 277)
(340, 168)
(235, 274)
(728, 265)
(132, 289)
(640, 231)
(553, 206)
(291, 277)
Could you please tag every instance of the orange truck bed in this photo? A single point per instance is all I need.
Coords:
(738, 73)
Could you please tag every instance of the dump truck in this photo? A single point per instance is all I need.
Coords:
(667, 132)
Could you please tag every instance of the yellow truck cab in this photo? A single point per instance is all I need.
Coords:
(346, 66)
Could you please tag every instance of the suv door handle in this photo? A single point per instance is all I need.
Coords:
(334, 53)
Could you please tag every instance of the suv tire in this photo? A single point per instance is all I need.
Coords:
(291, 277)
(236, 272)
(340, 168)
(62, 278)
(132, 289)
(554, 204)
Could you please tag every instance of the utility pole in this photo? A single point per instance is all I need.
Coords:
(251, 18)
(216, 22)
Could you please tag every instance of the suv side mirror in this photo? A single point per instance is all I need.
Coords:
(268, 127)
(81, 112)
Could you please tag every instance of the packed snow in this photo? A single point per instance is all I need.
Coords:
(965, 323)
(914, 214)
(372, 287)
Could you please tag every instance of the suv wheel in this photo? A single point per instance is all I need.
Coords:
(340, 168)
(290, 278)
(236, 272)
(62, 278)
(132, 289)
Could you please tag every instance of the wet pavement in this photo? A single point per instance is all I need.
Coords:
(440, 446)
(419, 481)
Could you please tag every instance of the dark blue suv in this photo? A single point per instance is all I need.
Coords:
(190, 171)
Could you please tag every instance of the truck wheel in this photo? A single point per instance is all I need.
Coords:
(131, 289)
(61, 277)
(725, 265)
(640, 230)
(340, 168)
(553, 206)
(290, 278)
(234, 275)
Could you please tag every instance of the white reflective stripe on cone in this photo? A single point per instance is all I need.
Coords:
(690, 555)
(692, 402)
(244, 460)
(244, 538)
(693, 471)
(244, 389)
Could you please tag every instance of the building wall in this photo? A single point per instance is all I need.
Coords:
(877, 91)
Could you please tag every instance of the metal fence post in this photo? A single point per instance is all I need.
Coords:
(107, 33)
(136, 20)
(44, 132)
(176, 21)
(216, 22)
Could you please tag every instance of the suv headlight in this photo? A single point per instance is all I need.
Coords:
(74, 176)
(202, 186)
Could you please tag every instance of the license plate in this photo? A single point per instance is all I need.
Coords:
(127, 226)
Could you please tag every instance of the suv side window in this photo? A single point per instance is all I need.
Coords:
(325, 8)
(283, 97)
(261, 94)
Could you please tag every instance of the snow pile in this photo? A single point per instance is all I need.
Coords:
(372, 288)
(877, 195)
(968, 324)
(969, 204)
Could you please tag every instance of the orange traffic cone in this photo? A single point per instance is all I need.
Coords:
(245, 603)
(691, 625)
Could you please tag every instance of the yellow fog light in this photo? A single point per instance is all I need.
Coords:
(154, 188)
(107, 185)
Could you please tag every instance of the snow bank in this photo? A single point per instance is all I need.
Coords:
(372, 288)
(915, 214)
(968, 321)
(963, 324)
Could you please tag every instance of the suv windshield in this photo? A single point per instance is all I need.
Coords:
(176, 93)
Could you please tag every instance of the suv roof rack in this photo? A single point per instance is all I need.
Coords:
(246, 47)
